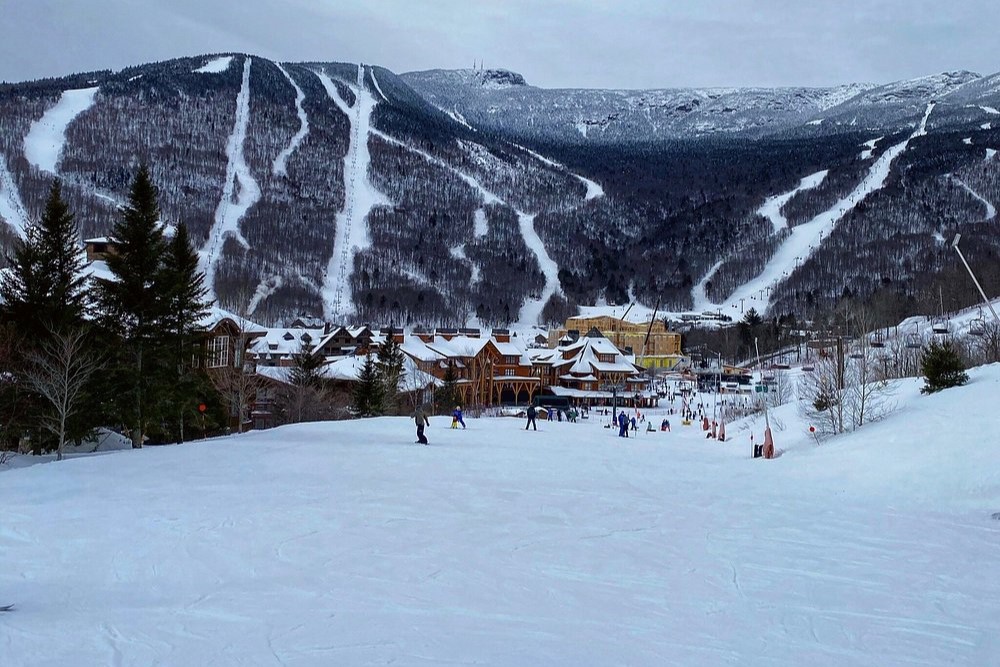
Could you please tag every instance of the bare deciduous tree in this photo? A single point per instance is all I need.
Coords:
(59, 371)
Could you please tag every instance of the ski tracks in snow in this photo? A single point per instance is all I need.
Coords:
(360, 197)
(805, 238)
(239, 192)
(281, 161)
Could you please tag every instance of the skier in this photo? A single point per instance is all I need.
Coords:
(531, 418)
(456, 417)
(622, 425)
(420, 418)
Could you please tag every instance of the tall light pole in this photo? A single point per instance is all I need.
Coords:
(954, 244)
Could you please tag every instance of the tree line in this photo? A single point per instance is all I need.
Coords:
(77, 353)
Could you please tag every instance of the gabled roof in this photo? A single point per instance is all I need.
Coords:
(216, 316)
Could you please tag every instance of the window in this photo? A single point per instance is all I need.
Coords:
(508, 372)
(218, 352)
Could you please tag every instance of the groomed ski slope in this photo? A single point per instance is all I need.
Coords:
(239, 192)
(279, 168)
(805, 238)
(771, 209)
(360, 196)
(46, 137)
(344, 543)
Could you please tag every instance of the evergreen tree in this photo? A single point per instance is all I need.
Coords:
(184, 308)
(367, 397)
(134, 308)
(44, 289)
(942, 367)
(447, 394)
(42, 298)
(306, 371)
(390, 369)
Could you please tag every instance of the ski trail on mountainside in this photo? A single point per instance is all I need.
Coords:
(594, 189)
(805, 238)
(11, 207)
(531, 309)
(43, 145)
(239, 192)
(360, 197)
(771, 209)
(991, 210)
(280, 162)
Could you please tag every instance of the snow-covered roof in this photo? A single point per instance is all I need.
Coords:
(283, 341)
(216, 315)
(459, 346)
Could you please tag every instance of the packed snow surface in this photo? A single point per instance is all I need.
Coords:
(215, 66)
(344, 543)
(46, 137)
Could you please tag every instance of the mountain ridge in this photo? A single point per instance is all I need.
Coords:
(624, 197)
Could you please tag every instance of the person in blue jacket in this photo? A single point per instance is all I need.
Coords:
(622, 425)
(457, 416)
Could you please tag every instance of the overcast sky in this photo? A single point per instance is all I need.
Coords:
(553, 43)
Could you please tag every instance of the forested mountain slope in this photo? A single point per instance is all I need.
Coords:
(448, 197)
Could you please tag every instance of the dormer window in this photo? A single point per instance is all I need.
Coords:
(306, 338)
(288, 336)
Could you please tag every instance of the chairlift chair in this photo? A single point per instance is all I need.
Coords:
(977, 327)
(808, 368)
(877, 340)
(856, 355)
(940, 326)
(913, 341)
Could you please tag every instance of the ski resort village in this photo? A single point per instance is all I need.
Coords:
(317, 363)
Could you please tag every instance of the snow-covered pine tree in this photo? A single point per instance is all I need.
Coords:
(390, 368)
(367, 396)
(185, 306)
(133, 306)
(44, 290)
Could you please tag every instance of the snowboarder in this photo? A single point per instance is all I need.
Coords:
(456, 417)
(421, 420)
(531, 418)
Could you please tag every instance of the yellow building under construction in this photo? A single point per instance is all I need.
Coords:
(662, 350)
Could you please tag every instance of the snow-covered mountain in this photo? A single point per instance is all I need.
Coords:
(446, 197)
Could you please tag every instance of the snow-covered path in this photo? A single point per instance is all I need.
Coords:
(46, 137)
(11, 207)
(280, 162)
(360, 197)
(239, 192)
(991, 210)
(805, 238)
(342, 543)
(594, 189)
(531, 309)
(771, 209)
